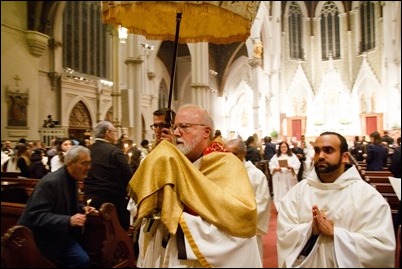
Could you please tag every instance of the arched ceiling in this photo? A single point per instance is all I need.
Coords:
(41, 15)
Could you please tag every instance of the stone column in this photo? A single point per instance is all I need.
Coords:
(134, 62)
(116, 95)
(200, 73)
(255, 63)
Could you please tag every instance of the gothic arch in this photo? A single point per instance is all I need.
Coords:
(79, 122)
(109, 115)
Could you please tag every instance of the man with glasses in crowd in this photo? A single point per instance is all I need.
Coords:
(160, 127)
(162, 131)
(197, 201)
(54, 214)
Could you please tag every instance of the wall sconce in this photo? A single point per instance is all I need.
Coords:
(147, 46)
(213, 72)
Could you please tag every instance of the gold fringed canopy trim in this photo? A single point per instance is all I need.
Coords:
(218, 22)
(220, 192)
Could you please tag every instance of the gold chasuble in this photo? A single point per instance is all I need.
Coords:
(220, 191)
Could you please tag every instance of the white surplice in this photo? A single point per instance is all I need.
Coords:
(222, 250)
(263, 199)
(363, 229)
(285, 179)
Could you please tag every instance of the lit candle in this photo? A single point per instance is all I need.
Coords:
(87, 207)
(129, 157)
(86, 212)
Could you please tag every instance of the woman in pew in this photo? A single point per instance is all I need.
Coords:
(20, 161)
(37, 169)
(377, 153)
(54, 214)
(57, 161)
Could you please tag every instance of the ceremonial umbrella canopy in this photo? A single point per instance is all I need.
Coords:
(219, 22)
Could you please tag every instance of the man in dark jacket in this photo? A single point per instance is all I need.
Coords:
(52, 212)
(253, 155)
(395, 166)
(301, 156)
(270, 148)
(109, 174)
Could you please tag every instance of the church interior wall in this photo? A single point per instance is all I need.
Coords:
(19, 72)
(279, 80)
(72, 94)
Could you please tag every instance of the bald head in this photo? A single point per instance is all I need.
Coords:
(194, 129)
(237, 147)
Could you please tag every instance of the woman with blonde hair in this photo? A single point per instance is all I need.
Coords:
(20, 161)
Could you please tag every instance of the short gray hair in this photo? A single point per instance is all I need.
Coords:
(101, 128)
(237, 146)
(73, 154)
(204, 115)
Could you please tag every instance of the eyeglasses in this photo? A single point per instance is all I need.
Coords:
(112, 131)
(184, 126)
(159, 125)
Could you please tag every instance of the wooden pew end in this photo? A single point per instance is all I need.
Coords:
(19, 250)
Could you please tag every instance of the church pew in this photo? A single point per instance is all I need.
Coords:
(32, 181)
(106, 242)
(19, 250)
(383, 187)
(10, 213)
(264, 167)
(29, 182)
(10, 174)
(398, 248)
(392, 200)
(376, 179)
(387, 191)
(377, 173)
(18, 190)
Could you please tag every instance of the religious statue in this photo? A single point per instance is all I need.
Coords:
(257, 49)
(49, 123)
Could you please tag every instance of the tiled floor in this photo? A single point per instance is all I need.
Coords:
(270, 254)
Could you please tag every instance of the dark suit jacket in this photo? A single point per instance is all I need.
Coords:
(253, 155)
(108, 178)
(395, 166)
(48, 211)
(376, 154)
(269, 151)
(297, 150)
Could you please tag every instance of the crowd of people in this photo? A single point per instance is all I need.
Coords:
(197, 199)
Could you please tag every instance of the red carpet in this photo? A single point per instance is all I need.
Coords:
(269, 245)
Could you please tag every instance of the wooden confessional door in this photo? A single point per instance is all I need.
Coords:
(296, 126)
(371, 122)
